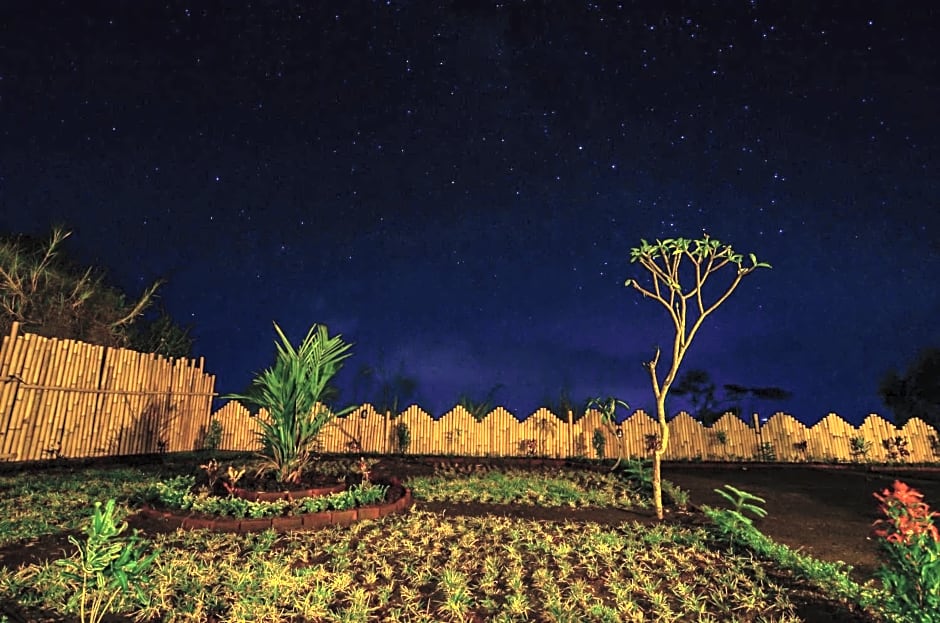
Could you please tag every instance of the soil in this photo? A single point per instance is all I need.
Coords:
(822, 510)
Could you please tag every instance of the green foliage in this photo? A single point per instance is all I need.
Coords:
(106, 567)
(213, 436)
(292, 391)
(640, 472)
(172, 492)
(743, 502)
(402, 437)
(663, 260)
(733, 527)
(766, 452)
(480, 409)
(859, 447)
(51, 296)
(548, 489)
(608, 410)
(599, 441)
(180, 493)
(910, 546)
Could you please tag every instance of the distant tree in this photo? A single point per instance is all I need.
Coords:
(663, 260)
(479, 409)
(708, 407)
(389, 392)
(50, 295)
(697, 385)
(916, 393)
(736, 393)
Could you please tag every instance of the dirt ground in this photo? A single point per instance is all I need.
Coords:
(825, 511)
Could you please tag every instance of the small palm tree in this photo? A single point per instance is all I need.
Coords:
(292, 391)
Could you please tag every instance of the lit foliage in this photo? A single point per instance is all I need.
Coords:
(687, 308)
(292, 391)
(48, 294)
(910, 542)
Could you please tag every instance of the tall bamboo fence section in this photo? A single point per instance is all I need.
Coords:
(545, 434)
(70, 399)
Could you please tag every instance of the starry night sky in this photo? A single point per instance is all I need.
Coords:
(455, 186)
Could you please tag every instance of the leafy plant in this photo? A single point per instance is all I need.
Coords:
(743, 502)
(528, 447)
(859, 448)
(766, 452)
(910, 543)
(291, 391)
(599, 441)
(663, 259)
(402, 437)
(896, 447)
(480, 409)
(105, 567)
(608, 410)
(43, 290)
(640, 472)
(172, 492)
(213, 438)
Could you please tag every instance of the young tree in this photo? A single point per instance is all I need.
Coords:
(663, 259)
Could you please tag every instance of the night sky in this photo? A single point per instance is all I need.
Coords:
(455, 186)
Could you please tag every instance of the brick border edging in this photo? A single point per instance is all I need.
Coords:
(306, 521)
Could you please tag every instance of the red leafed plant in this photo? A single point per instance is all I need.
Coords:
(910, 541)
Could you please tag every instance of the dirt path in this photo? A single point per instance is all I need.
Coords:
(825, 511)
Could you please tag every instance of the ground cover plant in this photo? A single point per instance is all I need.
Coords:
(596, 553)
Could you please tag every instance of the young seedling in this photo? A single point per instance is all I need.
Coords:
(742, 502)
(106, 566)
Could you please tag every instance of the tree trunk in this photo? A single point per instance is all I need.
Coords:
(658, 484)
(658, 455)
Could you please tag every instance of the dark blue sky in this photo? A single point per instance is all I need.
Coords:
(455, 186)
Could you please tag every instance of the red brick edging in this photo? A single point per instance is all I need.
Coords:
(306, 521)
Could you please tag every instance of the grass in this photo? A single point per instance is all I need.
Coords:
(421, 566)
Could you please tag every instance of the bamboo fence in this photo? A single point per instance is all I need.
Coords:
(64, 398)
(543, 433)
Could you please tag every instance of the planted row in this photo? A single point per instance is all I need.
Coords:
(178, 493)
